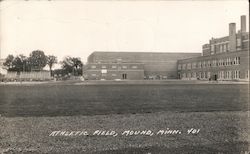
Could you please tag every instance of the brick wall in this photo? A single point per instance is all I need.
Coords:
(155, 64)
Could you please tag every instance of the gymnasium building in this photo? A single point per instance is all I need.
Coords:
(225, 58)
(133, 65)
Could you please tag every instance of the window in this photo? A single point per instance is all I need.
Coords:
(230, 74)
(134, 67)
(124, 76)
(215, 63)
(212, 49)
(204, 75)
(93, 74)
(193, 65)
(104, 71)
(113, 74)
(237, 60)
(225, 48)
(124, 67)
(179, 66)
(199, 75)
(236, 74)
(93, 66)
(194, 74)
(221, 74)
(209, 63)
(199, 64)
(221, 48)
(113, 66)
(238, 42)
(103, 66)
(208, 74)
(184, 75)
(183, 66)
(234, 62)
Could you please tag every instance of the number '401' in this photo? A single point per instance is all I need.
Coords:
(193, 131)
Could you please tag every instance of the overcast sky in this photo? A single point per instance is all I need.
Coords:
(77, 28)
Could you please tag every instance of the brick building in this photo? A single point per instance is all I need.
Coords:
(225, 58)
(133, 65)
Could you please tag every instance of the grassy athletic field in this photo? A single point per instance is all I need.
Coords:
(70, 99)
(29, 113)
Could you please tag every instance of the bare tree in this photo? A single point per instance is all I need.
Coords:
(51, 60)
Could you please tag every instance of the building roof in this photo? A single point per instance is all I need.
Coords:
(143, 52)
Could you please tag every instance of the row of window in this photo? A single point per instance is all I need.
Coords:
(224, 46)
(235, 74)
(229, 74)
(114, 67)
(219, 48)
(210, 63)
(103, 74)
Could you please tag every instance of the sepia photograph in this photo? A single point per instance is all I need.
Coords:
(124, 77)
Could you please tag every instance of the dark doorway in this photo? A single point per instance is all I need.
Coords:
(215, 77)
(179, 76)
(124, 76)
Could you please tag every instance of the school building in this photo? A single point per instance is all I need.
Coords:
(225, 58)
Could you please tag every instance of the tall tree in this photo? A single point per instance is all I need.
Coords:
(51, 60)
(9, 62)
(72, 65)
(67, 65)
(37, 60)
(18, 63)
(77, 64)
(21, 63)
(25, 62)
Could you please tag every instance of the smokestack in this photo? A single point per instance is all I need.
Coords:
(232, 29)
(243, 23)
(232, 37)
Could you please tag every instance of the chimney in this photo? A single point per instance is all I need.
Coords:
(232, 37)
(243, 23)
(232, 29)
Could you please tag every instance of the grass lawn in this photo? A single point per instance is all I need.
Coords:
(68, 99)
(220, 132)
(30, 113)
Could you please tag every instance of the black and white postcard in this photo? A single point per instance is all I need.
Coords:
(124, 77)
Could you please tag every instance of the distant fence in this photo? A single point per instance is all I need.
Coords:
(28, 76)
(35, 75)
(11, 75)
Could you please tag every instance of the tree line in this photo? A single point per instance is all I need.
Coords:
(37, 60)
